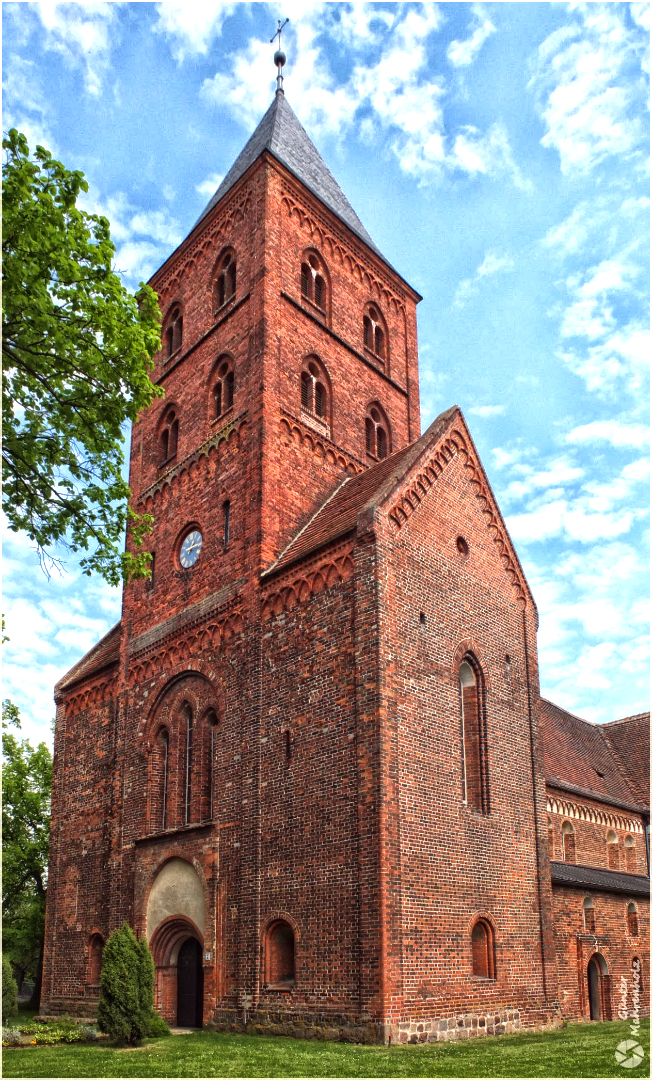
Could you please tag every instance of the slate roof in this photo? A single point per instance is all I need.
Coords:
(280, 133)
(339, 514)
(589, 877)
(580, 754)
(106, 652)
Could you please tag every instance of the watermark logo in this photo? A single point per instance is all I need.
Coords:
(629, 1053)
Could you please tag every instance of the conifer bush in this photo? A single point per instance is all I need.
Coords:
(9, 991)
(127, 988)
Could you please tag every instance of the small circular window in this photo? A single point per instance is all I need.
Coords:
(190, 549)
(462, 546)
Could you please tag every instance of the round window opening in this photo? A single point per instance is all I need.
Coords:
(462, 546)
(190, 549)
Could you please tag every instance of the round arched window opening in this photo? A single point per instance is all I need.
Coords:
(589, 915)
(279, 955)
(462, 546)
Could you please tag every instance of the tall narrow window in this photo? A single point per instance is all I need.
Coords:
(568, 842)
(313, 281)
(173, 335)
(95, 959)
(279, 954)
(314, 392)
(211, 770)
(374, 332)
(551, 840)
(165, 751)
(225, 280)
(376, 432)
(482, 950)
(589, 915)
(613, 859)
(476, 788)
(224, 389)
(152, 568)
(187, 713)
(169, 437)
(630, 854)
(227, 522)
(632, 919)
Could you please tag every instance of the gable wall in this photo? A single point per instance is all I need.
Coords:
(454, 864)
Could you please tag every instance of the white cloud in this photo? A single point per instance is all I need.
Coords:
(209, 186)
(587, 82)
(463, 53)
(191, 28)
(25, 105)
(137, 258)
(614, 432)
(488, 411)
(83, 34)
(390, 92)
(491, 264)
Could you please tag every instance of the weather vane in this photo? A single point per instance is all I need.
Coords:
(279, 56)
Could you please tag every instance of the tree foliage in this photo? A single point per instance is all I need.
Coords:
(77, 349)
(9, 1003)
(126, 1004)
(26, 788)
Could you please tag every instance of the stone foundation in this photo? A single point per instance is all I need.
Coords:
(320, 1026)
(82, 1009)
(462, 1026)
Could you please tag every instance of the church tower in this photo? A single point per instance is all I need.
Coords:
(306, 764)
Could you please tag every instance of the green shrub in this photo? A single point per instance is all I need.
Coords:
(9, 991)
(158, 1026)
(127, 983)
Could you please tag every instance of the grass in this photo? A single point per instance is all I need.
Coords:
(577, 1050)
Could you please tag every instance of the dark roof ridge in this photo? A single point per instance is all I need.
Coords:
(635, 807)
(560, 708)
(295, 538)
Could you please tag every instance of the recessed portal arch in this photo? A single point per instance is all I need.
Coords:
(175, 930)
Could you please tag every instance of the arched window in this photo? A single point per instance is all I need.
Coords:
(188, 717)
(168, 437)
(374, 333)
(474, 743)
(632, 919)
(613, 854)
(482, 950)
(209, 738)
(314, 389)
(568, 842)
(173, 333)
(588, 908)
(225, 280)
(630, 854)
(551, 840)
(279, 954)
(165, 764)
(314, 287)
(224, 388)
(226, 535)
(95, 950)
(377, 439)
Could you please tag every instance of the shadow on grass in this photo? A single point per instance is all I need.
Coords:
(580, 1050)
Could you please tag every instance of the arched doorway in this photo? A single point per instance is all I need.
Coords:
(190, 984)
(598, 979)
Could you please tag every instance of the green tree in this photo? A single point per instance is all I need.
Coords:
(9, 1004)
(26, 788)
(77, 349)
(126, 1003)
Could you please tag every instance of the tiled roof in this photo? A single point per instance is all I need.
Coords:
(107, 651)
(282, 135)
(629, 740)
(339, 514)
(578, 753)
(589, 877)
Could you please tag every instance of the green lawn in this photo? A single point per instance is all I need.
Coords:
(578, 1050)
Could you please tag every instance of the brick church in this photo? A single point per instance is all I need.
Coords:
(311, 763)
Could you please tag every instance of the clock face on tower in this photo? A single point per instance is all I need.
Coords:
(190, 549)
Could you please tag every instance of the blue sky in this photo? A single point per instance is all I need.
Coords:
(498, 155)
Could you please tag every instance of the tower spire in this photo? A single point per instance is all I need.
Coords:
(279, 57)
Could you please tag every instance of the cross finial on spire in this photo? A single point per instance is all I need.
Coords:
(279, 57)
